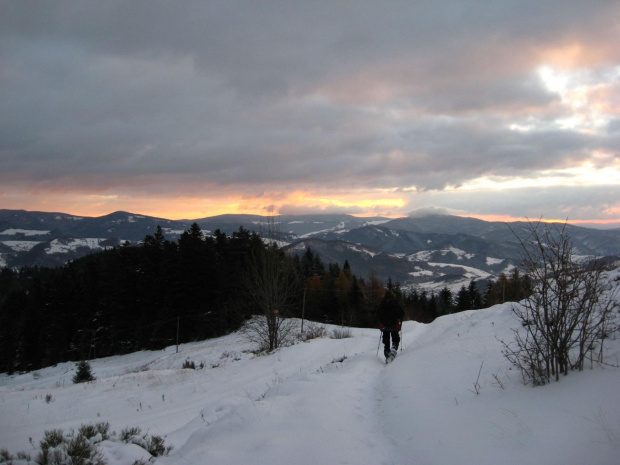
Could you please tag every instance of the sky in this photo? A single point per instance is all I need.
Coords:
(499, 110)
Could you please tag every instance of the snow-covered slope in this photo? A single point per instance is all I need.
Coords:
(334, 401)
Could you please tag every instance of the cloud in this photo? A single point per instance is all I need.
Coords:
(598, 204)
(430, 210)
(216, 99)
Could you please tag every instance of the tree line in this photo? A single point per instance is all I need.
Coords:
(164, 292)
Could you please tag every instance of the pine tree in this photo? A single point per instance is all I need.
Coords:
(83, 373)
(445, 304)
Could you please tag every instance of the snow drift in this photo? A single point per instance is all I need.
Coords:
(449, 397)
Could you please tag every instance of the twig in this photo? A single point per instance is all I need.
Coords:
(477, 384)
(498, 381)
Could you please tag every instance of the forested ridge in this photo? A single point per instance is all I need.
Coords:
(162, 292)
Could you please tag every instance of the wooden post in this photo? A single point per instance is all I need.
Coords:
(303, 311)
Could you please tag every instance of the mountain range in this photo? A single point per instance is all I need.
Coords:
(428, 252)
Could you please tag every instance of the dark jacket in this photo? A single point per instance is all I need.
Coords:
(390, 312)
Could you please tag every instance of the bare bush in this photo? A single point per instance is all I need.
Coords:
(22, 457)
(270, 333)
(341, 333)
(100, 430)
(189, 364)
(271, 286)
(81, 447)
(568, 316)
(58, 448)
(313, 331)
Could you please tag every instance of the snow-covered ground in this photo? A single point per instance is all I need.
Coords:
(64, 246)
(21, 246)
(333, 401)
(25, 232)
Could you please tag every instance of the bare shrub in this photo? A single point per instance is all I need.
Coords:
(58, 448)
(313, 331)
(189, 364)
(568, 316)
(153, 444)
(128, 433)
(94, 430)
(5, 456)
(81, 447)
(270, 283)
(270, 333)
(341, 333)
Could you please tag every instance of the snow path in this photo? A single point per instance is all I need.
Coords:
(320, 401)
(331, 414)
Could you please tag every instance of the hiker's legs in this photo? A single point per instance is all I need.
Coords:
(395, 339)
(386, 343)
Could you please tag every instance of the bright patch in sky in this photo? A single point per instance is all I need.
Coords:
(581, 91)
(584, 175)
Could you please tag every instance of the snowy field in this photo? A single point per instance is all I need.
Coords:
(333, 401)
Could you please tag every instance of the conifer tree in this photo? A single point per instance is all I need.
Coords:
(445, 304)
(83, 373)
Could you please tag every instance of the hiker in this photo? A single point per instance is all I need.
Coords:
(391, 315)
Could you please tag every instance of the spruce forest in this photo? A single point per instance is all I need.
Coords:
(163, 293)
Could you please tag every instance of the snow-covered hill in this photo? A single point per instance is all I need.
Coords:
(334, 401)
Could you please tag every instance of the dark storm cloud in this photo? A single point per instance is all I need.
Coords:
(389, 95)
